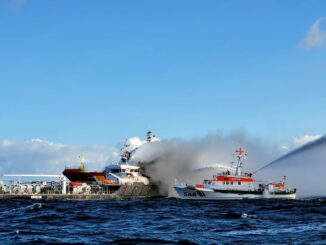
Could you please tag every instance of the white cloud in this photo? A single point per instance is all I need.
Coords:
(301, 140)
(40, 156)
(315, 37)
(17, 4)
(133, 143)
(283, 148)
(6, 143)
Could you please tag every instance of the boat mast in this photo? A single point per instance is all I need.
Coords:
(82, 165)
(150, 136)
(125, 154)
(241, 155)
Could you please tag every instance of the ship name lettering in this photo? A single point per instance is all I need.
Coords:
(189, 194)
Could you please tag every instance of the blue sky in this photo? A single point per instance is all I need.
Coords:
(97, 72)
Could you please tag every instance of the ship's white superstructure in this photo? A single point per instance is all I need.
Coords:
(124, 172)
(278, 190)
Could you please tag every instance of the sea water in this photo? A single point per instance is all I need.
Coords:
(163, 221)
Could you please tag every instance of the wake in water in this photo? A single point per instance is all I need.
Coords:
(34, 206)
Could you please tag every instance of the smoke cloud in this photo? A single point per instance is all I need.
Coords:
(194, 160)
(190, 161)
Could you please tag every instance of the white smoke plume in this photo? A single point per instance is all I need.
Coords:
(170, 160)
(133, 143)
(180, 159)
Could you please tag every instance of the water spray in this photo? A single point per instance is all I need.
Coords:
(307, 147)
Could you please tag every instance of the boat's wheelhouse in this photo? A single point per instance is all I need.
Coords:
(122, 170)
(228, 182)
(125, 173)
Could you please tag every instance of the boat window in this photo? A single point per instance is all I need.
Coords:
(131, 170)
(223, 182)
(136, 170)
(239, 183)
(227, 183)
(123, 171)
(231, 183)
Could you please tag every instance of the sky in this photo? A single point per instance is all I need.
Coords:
(93, 73)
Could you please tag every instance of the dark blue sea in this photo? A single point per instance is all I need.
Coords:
(163, 221)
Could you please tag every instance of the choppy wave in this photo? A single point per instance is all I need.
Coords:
(163, 221)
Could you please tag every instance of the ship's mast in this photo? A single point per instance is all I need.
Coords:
(125, 154)
(241, 155)
(82, 165)
(150, 136)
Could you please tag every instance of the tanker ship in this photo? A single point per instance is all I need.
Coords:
(81, 174)
(115, 175)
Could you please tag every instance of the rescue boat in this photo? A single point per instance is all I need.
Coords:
(226, 186)
(278, 190)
